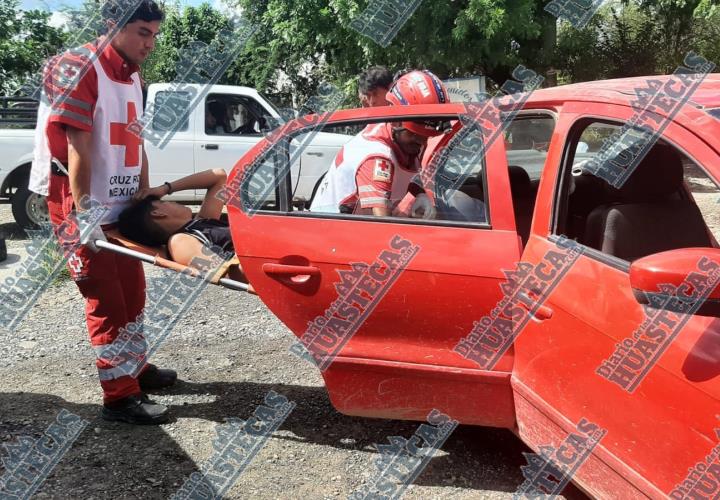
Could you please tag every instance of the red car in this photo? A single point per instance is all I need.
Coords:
(623, 332)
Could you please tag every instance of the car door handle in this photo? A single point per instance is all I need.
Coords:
(211, 146)
(318, 154)
(296, 274)
(541, 313)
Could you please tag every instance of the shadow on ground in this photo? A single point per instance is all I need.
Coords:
(111, 460)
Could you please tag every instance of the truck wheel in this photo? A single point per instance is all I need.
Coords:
(29, 209)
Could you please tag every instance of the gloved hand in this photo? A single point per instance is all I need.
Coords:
(422, 208)
(88, 223)
(89, 234)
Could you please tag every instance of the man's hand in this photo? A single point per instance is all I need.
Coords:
(422, 207)
(158, 191)
(89, 236)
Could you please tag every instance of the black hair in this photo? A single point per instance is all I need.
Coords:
(136, 223)
(374, 78)
(146, 10)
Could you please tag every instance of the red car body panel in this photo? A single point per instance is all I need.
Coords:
(400, 363)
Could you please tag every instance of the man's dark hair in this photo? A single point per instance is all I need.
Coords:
(374, 78)
(136, 223)
(147, 10)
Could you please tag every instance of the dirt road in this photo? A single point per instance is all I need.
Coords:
(229, 351)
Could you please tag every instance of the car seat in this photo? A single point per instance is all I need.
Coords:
(652, 215)
(523, 197)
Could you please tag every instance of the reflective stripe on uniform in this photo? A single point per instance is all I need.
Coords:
(72, 115)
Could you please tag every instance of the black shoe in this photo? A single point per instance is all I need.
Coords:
(154, 378)
(138, 410)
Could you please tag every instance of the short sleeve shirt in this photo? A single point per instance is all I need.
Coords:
(77, 107)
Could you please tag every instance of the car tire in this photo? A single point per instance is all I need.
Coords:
(29, 209)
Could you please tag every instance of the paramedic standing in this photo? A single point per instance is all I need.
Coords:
(83, 149)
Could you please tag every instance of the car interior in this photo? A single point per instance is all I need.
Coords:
(236, 115)
(651, 212)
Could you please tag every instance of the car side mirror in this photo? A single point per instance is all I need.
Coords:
(683, 281)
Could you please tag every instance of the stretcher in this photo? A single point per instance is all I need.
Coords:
(228, 275)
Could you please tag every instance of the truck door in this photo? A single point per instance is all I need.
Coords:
(175, 159)
(420, 286)
(584, 359)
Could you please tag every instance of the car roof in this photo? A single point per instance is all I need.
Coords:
(622, 90)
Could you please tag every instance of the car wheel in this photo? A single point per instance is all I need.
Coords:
(29, 209)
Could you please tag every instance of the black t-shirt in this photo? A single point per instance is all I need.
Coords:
(210, 232)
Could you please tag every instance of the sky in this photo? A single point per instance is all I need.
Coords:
(53, 5)
(58, 19)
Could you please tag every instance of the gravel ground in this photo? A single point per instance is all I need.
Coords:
(229, 351)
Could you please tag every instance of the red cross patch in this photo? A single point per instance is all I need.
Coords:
(75, 263)
(121, 136)
(382, 171)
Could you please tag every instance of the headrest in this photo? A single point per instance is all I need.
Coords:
(519, 181)
(659, 174)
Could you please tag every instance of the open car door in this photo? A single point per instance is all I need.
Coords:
(623, 396)
(386, 298)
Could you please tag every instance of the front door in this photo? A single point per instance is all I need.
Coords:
(655, 421)
(400, 318)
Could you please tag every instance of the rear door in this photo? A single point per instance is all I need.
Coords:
(397, 322)
(655, 434)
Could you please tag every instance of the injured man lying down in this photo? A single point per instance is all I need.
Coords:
(154, 222)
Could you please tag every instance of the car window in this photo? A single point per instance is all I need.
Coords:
(179, 103)
(388, 173)
(628, 205)
(526, 142)
(706, 195)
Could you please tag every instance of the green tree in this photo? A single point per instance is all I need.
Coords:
(26, 40)
(311, 41)
(638, 37)
(200, 23)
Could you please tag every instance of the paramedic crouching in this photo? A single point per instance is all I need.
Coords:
(377, 172)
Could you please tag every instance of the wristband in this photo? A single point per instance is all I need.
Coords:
(169, 187)
(415, 189)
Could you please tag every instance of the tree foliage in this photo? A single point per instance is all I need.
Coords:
(26, 40)
(635, 38)
(302, 43)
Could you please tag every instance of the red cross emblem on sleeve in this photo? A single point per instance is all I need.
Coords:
(121, 136)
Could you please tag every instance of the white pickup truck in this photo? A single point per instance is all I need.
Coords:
(220, 130)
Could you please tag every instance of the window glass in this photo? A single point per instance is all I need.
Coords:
(526, 141)
(391, 170)
(179, 102)
(662, 201)
(229, 114)
(706, 195)
(386, 171)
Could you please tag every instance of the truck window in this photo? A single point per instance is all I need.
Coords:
(667, 201)
(231, 114)
(178, 102)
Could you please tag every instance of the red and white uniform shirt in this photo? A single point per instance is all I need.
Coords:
(116, 154)
(369, 172)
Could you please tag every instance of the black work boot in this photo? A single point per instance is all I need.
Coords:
(139, 410)
(154, 378)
